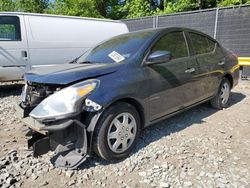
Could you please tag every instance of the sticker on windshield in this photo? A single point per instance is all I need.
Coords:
(116, 57)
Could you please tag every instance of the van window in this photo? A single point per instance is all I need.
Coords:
(173, 42)
(10, 28)
(201, 44)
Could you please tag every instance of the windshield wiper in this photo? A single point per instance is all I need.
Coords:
(75, 60)
(85, 62)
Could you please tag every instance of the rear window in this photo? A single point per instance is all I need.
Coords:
(10, 28)
(201, 44)
(212, 44)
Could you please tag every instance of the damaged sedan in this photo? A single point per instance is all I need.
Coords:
(102, 100)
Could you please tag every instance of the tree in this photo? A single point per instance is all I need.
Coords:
(161, 4)
(113, 9)
(110, 8)
(225, 3)
(172, 6)
(35, 6)
(7, 5)
(137, 8)
(86, 8)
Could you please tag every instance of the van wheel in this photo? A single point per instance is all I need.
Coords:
(117, 131)
(221, 99)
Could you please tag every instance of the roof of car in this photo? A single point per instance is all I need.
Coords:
(160, 29)
(165, 29)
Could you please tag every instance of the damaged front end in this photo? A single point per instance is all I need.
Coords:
(67, 139)
(58, 124)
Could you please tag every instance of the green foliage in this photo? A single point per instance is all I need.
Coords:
(185, 5)
(109, 8)
(34, 6)
(232, 2)
(7, 5)
(137, 8)
(114, 9)
(74, 8)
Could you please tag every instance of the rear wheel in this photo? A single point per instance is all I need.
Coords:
(117, 131)
(221, 99)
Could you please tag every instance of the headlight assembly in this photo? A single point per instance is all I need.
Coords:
(65, 102)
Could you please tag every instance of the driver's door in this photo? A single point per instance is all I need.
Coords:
(169, 82)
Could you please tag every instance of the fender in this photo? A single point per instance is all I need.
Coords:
(91, 129)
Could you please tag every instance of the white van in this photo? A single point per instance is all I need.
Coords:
(30, 40)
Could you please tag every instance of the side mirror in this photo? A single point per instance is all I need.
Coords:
(158, 57)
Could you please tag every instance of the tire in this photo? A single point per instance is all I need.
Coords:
(221, 100)
(110, 131)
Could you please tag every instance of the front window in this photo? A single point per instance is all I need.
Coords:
(173, 42)
(10, 28)
(117, 49)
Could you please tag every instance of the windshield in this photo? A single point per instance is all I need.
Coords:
(117, 49)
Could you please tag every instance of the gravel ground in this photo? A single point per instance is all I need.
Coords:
(198, 148)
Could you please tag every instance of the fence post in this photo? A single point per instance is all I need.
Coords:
(156, 21)
(216, 22)
(153, 22)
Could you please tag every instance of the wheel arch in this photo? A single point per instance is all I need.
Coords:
(230, 78)
(138, 106)
(97, 118)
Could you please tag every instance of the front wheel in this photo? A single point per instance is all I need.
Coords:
(221, 99)
(117, 131)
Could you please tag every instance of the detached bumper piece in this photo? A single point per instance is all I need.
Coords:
(67, 138)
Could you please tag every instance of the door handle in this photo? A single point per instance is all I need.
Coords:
(221, 63)
(190, 70)
(24, 55)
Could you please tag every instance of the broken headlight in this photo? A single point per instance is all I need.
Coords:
(65, 102)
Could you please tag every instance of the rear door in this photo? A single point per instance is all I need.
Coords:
(210, 63)
(13, 48)
(170, 86)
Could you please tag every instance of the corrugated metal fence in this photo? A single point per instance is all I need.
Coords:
(230, 26)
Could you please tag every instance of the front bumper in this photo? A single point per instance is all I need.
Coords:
(29, 121)
(67, 138)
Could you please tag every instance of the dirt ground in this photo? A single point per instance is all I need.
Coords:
(201, 147)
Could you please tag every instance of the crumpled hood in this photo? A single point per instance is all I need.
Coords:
(63, 74)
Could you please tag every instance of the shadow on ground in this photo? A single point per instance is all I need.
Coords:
(169, 126)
